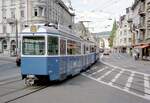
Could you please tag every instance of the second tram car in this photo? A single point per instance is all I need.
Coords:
(54, 53)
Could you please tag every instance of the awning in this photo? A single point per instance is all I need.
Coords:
(142, 46)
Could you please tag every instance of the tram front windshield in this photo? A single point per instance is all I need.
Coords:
(33, 45)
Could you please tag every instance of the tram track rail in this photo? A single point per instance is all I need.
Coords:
(10, 80)
(18, 93)
(26, 94)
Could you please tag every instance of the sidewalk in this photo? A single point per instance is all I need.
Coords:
(7, 57)
(128, 62)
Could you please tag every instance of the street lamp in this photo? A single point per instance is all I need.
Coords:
(15, 22)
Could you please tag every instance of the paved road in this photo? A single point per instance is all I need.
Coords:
(8, 68)
(127, 62)
(81, 90)
(101, 84)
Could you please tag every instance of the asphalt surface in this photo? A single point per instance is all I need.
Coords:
(107, 81)
(81, 90)
(8, 68)
(127, 62)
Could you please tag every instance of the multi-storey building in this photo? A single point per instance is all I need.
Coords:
(81, 30)
(140, 27)
(122, 41)
(15, 15)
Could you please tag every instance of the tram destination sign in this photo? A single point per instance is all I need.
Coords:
(33, 29)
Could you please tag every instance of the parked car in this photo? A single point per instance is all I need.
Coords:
(106, 52)
(101, 50)
(18, 60)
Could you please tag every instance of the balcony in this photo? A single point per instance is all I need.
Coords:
(148, 24)
(129, 20)
(142, 11)
(141, 26)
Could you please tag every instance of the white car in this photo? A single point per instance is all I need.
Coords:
(106, 52)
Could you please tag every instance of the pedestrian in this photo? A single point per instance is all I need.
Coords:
(135, 56)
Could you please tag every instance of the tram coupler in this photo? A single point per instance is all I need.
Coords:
(30, 80)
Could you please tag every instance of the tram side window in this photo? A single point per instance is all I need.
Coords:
(84, 49)
(87, 49)
(62, 47)
(71, 47)
(92, 49)
(52, 45)
(78, 49)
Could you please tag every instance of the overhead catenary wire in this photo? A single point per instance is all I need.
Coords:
(106, 4)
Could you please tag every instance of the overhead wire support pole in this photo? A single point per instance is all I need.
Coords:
(16, 22)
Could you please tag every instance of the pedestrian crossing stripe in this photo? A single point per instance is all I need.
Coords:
(128, 83)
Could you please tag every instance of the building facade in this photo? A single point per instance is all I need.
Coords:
(123, 38)
(15, 15)
(103, 39)
(141, 27)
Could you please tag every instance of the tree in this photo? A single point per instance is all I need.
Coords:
(113, 33)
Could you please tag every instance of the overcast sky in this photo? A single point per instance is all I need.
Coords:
(99, 11)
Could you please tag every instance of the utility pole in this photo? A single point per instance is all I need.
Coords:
(16, 22)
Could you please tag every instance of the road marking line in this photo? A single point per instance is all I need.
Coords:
(94, 68)
(88, 70)
(129, 82)
(147, 86)
(130, 92)
(116, 77)
(107, 73)
(120, 67)
(98, 71)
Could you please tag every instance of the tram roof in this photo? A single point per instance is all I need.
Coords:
(46, 30)
(40, 30)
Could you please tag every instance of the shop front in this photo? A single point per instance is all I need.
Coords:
(144, 50)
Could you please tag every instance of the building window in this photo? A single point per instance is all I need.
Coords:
(4, 13)
(12, 2)
(12, 13)
(12, 29)
(4, 43)
(52, 45)
(125, 32)
(125, 40)
(120, 33)
(22, 13)
(35, 12)
(4, 28)
(41, 10)
(22, 1)
(130, 40)
(22, 27)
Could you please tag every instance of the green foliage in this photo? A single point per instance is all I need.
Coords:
(113, 33)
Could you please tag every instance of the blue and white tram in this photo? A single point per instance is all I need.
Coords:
(54, 54)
